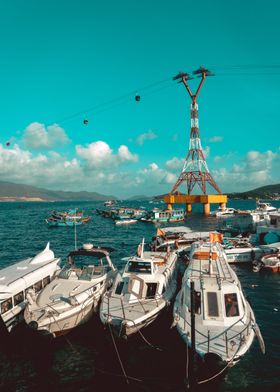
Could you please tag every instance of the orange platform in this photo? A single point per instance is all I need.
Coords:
(206, 200)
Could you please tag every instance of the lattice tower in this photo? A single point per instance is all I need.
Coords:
(195, 169)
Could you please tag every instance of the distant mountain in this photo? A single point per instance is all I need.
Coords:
(139, 197)
(263, 192)
(10, 192)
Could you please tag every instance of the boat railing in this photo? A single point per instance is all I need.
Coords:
(208, 337)
(124, 306)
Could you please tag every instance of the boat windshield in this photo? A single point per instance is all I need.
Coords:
(90, 272)
(142, 267)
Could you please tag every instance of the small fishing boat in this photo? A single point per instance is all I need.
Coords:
(225, 324)
(146, 287)
(269, 262)
(157, 216)
(32, 273)
(125, 222)
(70, 218)
(109, 203)
(72, 297)
(128, 213)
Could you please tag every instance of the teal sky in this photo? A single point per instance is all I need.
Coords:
(62, 58)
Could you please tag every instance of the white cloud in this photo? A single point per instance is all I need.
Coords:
(100, 155)
(175, 164)
(39, 136)
(153, 166)
(97, 168)
(206, 151)
(254, 170)
(215, 139)
(125, 155)
(150, 135)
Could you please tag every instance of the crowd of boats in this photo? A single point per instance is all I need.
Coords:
(129, 215)
(53, 297)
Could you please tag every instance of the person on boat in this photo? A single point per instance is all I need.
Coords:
(231, 305)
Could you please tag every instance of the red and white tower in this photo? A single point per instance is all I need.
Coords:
(195, 169)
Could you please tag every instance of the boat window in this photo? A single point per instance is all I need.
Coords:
(119, 288)
(197, 302)
(38, 286)
(46, 281)
(231, 305)
(64, 273)
(6, 305)
(151, 290)
(26, 290)
(139, 266)
(213, 310)
(18, 298)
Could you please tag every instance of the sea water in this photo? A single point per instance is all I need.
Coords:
(86, 359)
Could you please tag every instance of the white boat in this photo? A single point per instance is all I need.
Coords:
(125, 221)
(220, 212)
(146, 287)
(225, 324)
(265, 207)
(109, 203)
(35, 272)
(178, 238)
(72, 297)
(269, 262)
(240, 250)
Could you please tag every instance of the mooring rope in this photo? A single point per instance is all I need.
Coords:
(148, 343)
(118, 355)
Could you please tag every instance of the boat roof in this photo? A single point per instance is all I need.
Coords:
(24, 267)
(208, 260)
(95, 251)
(177, 229)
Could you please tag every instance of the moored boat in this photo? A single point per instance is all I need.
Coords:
(146, 287)
(32, 273)
(225, 324)
(271, 262)
(72, 297)
(220, 212)
(72, 217)
(125, 222)
(157, 216)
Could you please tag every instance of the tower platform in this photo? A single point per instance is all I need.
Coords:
(206, 200)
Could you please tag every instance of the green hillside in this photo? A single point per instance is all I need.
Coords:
(11, 190)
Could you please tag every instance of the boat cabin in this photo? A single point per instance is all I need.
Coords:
(15, 281)
(218, 297)
(87, 263)
(140, 279)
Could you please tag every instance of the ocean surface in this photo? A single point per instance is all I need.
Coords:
(86, 359)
